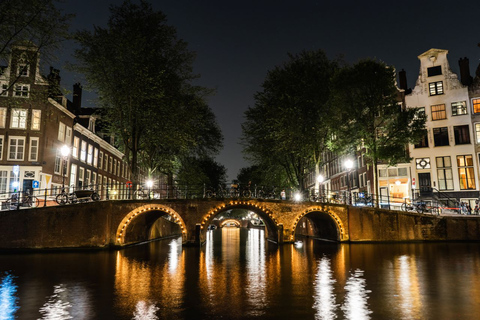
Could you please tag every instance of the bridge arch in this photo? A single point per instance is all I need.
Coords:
(327, 223)
(272, 226)
(149, 213)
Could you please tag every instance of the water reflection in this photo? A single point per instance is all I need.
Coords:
(408, 287)
(57, 306)
(141, 281)
(256, 272)
(355, 306)
(145, 311)
(324, 292)
(8, 301)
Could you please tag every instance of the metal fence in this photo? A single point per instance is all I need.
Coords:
(32, 198)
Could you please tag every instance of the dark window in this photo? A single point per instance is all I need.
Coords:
(462, 134)
(436, 88)
(440, 136)
(434, 71)
(444, 173)
(423, 143)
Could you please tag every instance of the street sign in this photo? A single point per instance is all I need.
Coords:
(129, 184)
(35, 184)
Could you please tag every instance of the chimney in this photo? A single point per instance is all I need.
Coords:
(77, 98)
(402, 77)
(465, 76)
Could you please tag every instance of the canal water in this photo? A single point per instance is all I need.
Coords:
(237, 274)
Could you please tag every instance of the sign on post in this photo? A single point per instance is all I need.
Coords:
(36, 184)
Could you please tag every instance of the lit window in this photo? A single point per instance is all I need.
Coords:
(61, 131)
(80, 177)
(90, 154)
(3, 117)
(422, 163)
(33, 154)
(73, 174)
(466, 172)
(19, 119)
(83, 151)
(436, 88)
(22, 90)
(100, 160)
(76, 145)
(476, 105)
(459, 108)
(36, 116)
(439, 112)
(68, 135)
(95, 157)
(444, 173)
(16, 148)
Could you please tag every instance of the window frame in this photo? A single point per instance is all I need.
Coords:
(441, 137)
(455, 108)
(468, 170)
(438, 113)
(442, 171)
(17, 138)
(462, 134)
(21, 90)
(61, 131)
(436, 89)
(37, 140)
(16, 122)
(36, 119)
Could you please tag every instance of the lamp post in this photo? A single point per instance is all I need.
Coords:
(65, 152)
(149, 185)
(348, 165)
(320, 179)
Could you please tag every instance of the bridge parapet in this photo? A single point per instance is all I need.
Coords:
(117, 223)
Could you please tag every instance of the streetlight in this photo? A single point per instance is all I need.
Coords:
(149, 185)
(348, 165)
(320, 179)
(65, 152)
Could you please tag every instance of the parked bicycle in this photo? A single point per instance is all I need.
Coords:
(364, 199)
(65, 197)
(26, 200)
(236, 191)
(140, 194)
(266, 194)
(418, 206)
(220, 192)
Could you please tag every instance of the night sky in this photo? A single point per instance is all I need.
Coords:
(237, 42)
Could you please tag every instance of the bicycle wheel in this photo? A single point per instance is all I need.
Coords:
(247, 193)
(139, 195)
(261, 194)
(95, 196)
(209, 194)
(27, 201)
(420, 208)
(404, 207)
(61, 198)
(36, 202)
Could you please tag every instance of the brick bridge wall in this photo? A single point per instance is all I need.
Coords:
(106, 224)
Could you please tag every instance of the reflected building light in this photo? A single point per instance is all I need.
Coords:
(8, 301)
(256, 272)
(324, 292)
(410, 303)
(209, 254)
(173, 255)
(57, 307)
(355, 306)
(144, 311)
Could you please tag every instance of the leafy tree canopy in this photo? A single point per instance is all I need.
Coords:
(143, 73)
(289, 126)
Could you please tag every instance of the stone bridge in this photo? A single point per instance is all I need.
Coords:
(116, 223)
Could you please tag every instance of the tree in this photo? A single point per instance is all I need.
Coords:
(372, 114)
(37, 23)
(143, 73)
(199, 172)
(289, 126)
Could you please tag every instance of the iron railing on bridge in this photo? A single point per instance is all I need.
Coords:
(31, 198)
